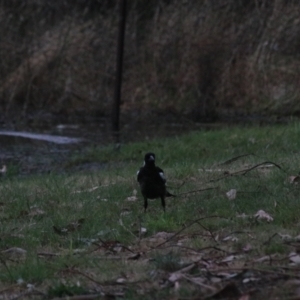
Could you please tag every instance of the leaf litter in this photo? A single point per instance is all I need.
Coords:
(208, 272)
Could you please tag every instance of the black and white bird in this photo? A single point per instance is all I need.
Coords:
(152, 181)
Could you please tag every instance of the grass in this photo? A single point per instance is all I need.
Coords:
(108, 255)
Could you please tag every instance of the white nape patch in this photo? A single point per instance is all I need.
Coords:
(137, 173)
(162, 175)
(144, 164)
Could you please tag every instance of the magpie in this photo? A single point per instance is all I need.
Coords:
(152, 181)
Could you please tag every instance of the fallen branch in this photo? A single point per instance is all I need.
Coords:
(245, 171)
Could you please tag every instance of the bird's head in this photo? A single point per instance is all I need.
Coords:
(149, 158)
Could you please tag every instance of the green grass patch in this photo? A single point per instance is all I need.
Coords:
(43, 244)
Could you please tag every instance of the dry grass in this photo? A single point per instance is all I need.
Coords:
(194, 58)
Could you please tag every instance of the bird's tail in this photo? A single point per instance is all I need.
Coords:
(169, 194)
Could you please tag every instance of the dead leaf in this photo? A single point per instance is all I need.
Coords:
(210, 170)
(163, 235)
(88, 190)
(175, 277)
(176, 286)
(114, 246)
(250, 279)
(294, 179)
(245, 297)
(73, 226)
(143, 230)
(118, 248)
(247, 248)
(243, 216)
(294, 258)
(16, 250)
(292, 282)
(215, 279)
(135, 256)
(35, 211)
(262, 215)
(131, 198)
(125, 213)
(226, 275)
(285, 236)
(265, 258)
(230, 238)
(200, 281)
(59, 230)
(102, 199)
(228, 258)
(231, 194)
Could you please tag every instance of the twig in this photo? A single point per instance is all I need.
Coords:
(192, 223)
(270, 238)
(121, 223)
(195, 191)
(87, 297)
(199, 250)
(263, 163)
(236, 232)
(211, 235)
(218, 179)
(76, 271)
(178, 186)
(186, 269)
(191, 279)
(106, 246)
(229, 161)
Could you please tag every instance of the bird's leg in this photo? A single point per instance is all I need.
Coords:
(163, 203)
(145, 204)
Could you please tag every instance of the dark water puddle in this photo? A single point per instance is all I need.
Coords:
(28, 152)
(56, 139)
(45, 149)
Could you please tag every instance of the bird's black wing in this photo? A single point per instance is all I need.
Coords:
(161, 174)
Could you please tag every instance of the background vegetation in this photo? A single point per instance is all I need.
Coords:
(202, 58)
